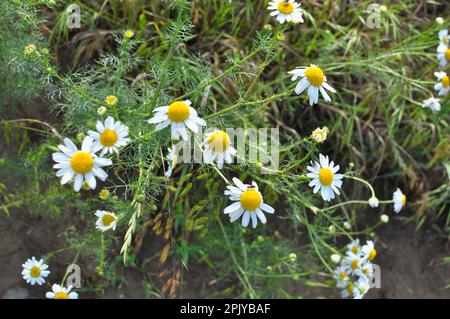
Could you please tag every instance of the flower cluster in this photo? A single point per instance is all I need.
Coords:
(355, 272)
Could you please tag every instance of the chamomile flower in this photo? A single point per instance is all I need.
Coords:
(399, 200)
(110, 136)
(433, 103)
(365, 270)
(248, 202)
(286, 11)
(361, 287)
(80, 165)
(443, 37)
(106, 220)
(173, 158)
(35, 271)
(111, 100)
(314, 80)
(59, 292)
(218, 148)
(443, 54)
(368, 251)
(443, 86)
(319, 135)
(341, 276)
(352, 262)
(178, 115)
(324, 177)
(354, 247)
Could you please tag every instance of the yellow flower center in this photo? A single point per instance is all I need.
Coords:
(61, 295)
(350, 288)
(219, 141)
(326, 176)
(35, 271)
(111, 100)
(108, 137)
(343, 275)
(82, 162)
(285, 7)
(372, 254)
(315, 75)
(108, 219)
(444, 40)
(447, 54)
(403, 200)
(251, 199)
(445, 81)
(355, 264)
(178, 112)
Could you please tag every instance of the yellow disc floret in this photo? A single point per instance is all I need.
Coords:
(82, 162)
(445, 81)
(251, 199)
(403, 200)
(315, 75)
(372, 254)
(61, 295)
(219, 141)
(343, 275)
(355, 264)
(108, 137)
(447, 54)
(108, 219)
(111, 100)
(35, 271)
(285, 7)
(178, 111)
(326, 176)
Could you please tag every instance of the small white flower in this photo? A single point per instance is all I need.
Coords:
(440, 20)
(399, 200)
(319, 135)
(443, 37)
(172, 158)
(178, 115)
(443, 54)
(218, 148)
(365, 270)
(341, 276)
(443, 86)
(384, 219)
(79, 164)
(286, 11)
(324, 177)
(368, 251)
(248, 202)
(361, 287)
(335, 258)
(35, 271)
(373, 202)
(352, 262)
(433, 103)
(106, 220)
(314, 80)
(110, 136)
(354, 247)
(60, 292)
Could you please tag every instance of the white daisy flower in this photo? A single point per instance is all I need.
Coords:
(368, 251)
(399, 200)
(352, 262)
(248, 202)
(443, 37)
(59, 292)
(178, 115)
(433, 103)
(218, 148)
(314, 80)
(361, 287)
(341, 276)
(80, 164)
(354, 247)
(443, 54)
(286, 11)
(106, 220)
(365, 270)
(324, 177)
(443, 87)
(35, 271)
(109, 136)
(173, 159)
